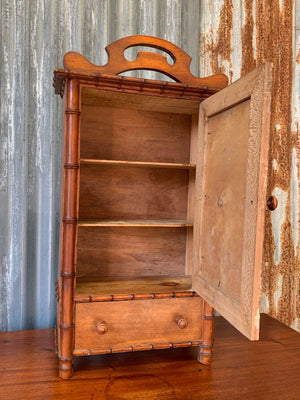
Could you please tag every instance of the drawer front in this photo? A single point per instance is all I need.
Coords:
(120, 324)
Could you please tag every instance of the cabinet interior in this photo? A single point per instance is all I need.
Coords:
(136, 193)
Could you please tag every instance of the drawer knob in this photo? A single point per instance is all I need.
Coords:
(181, 322)
(272, 203)
(101, 327)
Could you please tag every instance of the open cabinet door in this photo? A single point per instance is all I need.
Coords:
(231, 182)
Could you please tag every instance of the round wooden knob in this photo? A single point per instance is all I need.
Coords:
(272, 203)
(101, 327)
(181, 322)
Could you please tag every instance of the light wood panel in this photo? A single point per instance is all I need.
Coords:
(91, 96)
(191, 193)
(132, 193)
(231, 199)
(130, 251)
(222, 226)
(134, 135)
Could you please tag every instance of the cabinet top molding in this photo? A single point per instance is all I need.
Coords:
(77, 66)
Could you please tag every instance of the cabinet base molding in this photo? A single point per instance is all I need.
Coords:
(130, 297)
(155, 346)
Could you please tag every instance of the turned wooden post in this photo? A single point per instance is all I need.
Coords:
(69, 229)
(205, 349)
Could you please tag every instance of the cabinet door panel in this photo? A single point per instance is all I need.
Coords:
(231, 180)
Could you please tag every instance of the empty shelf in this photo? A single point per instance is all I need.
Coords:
(170, 223)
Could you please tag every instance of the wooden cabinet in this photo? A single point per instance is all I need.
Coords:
(162, 211)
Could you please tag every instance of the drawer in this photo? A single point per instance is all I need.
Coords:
(125, 324)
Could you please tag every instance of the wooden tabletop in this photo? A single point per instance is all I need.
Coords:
(268, 369)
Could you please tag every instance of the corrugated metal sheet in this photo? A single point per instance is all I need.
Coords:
(235, 37)
(35, 34)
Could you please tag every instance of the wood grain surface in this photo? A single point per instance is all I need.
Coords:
(151, 284)
(130, 251)
(231, 198)
(134, 323)
(117, 63)
(93, 96)
(117, 192)
(134, 135)
(224, 205)
(264, 370)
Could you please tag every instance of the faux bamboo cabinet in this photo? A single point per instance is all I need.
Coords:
(162, 206)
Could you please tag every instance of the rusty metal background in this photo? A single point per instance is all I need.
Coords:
(234, 35)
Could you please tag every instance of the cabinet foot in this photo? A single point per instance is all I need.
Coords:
(65, 369)
(204, 355)
(205, 349)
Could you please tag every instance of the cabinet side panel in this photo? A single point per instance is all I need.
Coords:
(191, 194)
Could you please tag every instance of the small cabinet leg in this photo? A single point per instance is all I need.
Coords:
(65, 369)
(205, 349)
(65, 353)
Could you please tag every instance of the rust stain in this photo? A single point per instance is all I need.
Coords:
(248, 61)
(220, 50)
(295, 270)
(274, 44)
(298, 57)
(274, 26)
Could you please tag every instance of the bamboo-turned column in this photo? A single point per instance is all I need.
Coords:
(205, 349)
(69, 229)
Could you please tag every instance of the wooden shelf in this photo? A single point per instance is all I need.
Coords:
(165, 223)
(144, 164)
(96, 289)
